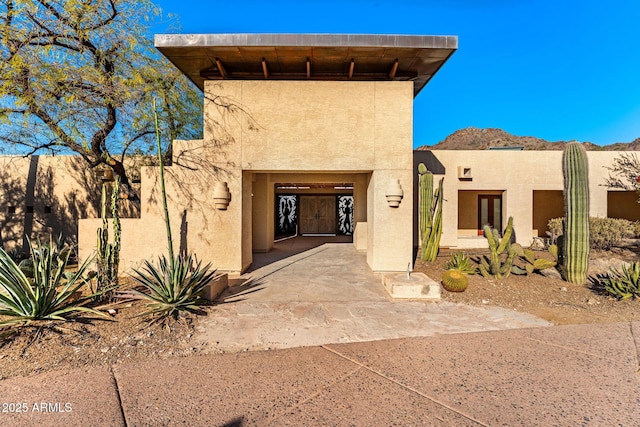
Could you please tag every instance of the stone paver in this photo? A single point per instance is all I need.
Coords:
(328, 294)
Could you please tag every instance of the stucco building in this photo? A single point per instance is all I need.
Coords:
(307, 133)
(489, 186)
(304, 134)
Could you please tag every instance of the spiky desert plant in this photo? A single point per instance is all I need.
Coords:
(173, 286)
(430, 213)
(455, 281)
(461, 262)
(108, 256)
(52, 292)
(623, 284)
(501, 253)
(575, 249)
(60, 244)
(178, 282)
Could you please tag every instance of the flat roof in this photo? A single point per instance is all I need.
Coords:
(356, 57)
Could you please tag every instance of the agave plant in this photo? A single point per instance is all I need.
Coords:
(461, 262)
(623, 284)
(51, 294)
(178, 282)
(172, 286)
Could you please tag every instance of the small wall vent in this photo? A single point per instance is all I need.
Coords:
(464, 173)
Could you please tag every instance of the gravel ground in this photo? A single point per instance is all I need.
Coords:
(549, 298)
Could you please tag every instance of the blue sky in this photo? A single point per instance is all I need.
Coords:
(558, 70)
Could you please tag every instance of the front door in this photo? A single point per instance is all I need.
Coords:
(490, 211)
(317, 214)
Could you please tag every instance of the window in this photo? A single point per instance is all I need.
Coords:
(490, 211)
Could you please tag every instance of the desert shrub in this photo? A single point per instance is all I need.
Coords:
(16, 253)
(635, 227)
(608, 232)
(51, 294)
(605, 233)
(461, 262)
(555, 227)
(502, 253)
(178, 282)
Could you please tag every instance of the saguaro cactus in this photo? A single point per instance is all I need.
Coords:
(430, 213)
(108, 253)
(575, 247)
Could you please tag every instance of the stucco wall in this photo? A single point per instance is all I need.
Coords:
(257, 133)
(42, 196)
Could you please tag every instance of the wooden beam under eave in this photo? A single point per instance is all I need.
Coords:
(265, 69)
(308, 68)
(351, 67)
(221, 69)
(394, 69)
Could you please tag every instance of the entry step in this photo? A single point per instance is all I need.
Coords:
(416, 286)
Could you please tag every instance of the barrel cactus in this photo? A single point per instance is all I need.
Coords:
(430, 213)
(575, 245)
(455, 281)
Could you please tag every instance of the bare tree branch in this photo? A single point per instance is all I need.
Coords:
(79, 77)
(624, 173)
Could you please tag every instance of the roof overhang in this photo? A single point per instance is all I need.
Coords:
(331, 57)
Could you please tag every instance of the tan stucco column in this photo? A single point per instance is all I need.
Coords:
(390, 234)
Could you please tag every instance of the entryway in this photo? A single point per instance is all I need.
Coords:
(314, 215)
(477, 208)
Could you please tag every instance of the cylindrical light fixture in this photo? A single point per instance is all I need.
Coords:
(221, 195)
(394, 193)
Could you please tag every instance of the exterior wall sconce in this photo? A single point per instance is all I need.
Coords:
(394, 193)
(221, 196)
(104, 173)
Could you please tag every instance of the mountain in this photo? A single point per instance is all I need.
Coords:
(481, 139)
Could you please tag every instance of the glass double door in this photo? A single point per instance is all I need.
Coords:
(490, 212)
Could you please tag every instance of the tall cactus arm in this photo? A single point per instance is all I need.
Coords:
(425, 182)
(430, 251)
(506, 238)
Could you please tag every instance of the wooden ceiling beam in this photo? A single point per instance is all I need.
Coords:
(308, 68)
(351, 67)
(221, 69)
(394, 69)
(265, 69)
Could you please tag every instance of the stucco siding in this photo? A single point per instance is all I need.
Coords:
(517, 175)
